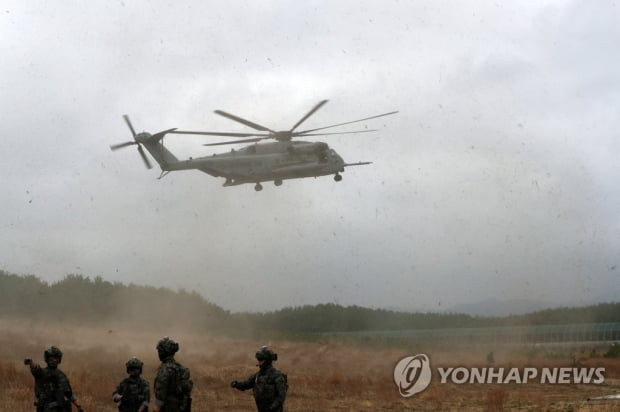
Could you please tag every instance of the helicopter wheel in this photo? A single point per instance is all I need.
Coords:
(258, 187)
(337, 177)
(277, 182)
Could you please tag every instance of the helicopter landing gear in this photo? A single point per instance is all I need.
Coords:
(277, 182)
(258, 187)
(337, 177)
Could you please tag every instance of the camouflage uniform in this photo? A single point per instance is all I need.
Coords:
(134, 389)
(52, 389)
(268, 385)
(173, 385)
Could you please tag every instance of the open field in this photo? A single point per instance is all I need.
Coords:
(323, 376)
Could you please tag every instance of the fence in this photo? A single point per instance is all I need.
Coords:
(581, 332)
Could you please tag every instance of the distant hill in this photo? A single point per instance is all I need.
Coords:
(501, 308)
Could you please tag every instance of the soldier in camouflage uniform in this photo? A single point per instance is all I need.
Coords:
(268, 385)
(51, 387)
(133, 392)
(173, 386)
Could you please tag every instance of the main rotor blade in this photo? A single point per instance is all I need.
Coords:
(258, 139)
(230, 134)
(121, 145)
(133, 132)
(342, 124)
(310, 113)
(243, 121)
(146, 160)
(327, 134)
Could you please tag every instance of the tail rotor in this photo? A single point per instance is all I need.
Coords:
(135, 141)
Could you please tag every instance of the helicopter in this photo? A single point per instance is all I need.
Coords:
(256, 163)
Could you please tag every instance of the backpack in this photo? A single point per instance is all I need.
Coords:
(183, 386)
(133, 394)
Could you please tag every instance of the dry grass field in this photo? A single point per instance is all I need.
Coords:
(323, 376)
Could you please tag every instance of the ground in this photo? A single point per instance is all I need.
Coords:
(322, 375)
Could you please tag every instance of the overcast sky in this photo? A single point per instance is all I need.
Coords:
(497, 179)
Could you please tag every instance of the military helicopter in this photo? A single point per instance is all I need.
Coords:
(255, 163)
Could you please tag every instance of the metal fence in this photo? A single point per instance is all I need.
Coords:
(581, 332)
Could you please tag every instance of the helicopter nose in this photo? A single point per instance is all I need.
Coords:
(320, 147)
(322, 150)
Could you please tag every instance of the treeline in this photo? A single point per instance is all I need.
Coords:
(330, 317)
(335, 318)
(95, 301)
(79, 299)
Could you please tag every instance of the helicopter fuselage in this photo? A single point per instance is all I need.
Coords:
(262, 162)
(258, 162)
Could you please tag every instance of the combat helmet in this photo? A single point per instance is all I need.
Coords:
(266, 354)
(52, 351)
(166, 347)
(134, 363)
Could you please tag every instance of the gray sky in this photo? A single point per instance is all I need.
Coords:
(498, 178)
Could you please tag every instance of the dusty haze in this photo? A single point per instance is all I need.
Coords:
(497, 179)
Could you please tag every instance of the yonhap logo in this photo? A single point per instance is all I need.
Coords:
(412, 374)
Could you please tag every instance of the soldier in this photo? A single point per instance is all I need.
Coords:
(268, 385)
(490, 359)
(51, 387)
(133, 392)
(173, 386)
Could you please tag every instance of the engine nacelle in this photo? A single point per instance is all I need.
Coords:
(316, 148)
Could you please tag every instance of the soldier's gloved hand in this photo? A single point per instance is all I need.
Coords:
(233, 384)
(117, 397)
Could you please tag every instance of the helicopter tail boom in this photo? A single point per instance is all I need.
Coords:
(152, 143)
(156, 148)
